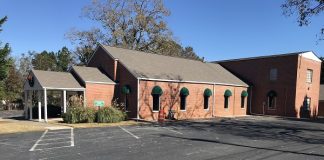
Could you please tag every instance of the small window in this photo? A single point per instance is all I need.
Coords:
(309, 76)
(242, 102)
(227, 95)
(244, 94)
(273, 74)
(207, 94)
(183, 102)
(272, 100)
(156, 102)
(156, 93)
(226, 102)
(184, 92)
(206, 100)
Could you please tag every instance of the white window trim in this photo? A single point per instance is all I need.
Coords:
(311, 76)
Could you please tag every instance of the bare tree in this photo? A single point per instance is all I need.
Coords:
(305, 10)
(132, 24)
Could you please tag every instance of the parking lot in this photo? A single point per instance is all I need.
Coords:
(241, 138)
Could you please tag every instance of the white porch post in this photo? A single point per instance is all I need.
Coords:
(39, 106)
(64, 101)
(30, 104)
(45, 105)
(26, 104)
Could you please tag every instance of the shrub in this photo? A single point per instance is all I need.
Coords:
(110, 115)
(89, 115)
(74, 115)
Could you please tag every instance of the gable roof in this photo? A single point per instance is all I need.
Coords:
(92, 75)
(159, 67)
(306, 54)
(56, 80)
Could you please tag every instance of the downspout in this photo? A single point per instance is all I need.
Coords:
(251, 87)
(213, 100)
(138, 99)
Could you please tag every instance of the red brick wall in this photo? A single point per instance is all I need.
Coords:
(102, 92)
(257, 73)
(124, 77)
(117, 71)
(308, 89)
(194, 102)
(104, 62)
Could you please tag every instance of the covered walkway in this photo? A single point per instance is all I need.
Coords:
(39, 83)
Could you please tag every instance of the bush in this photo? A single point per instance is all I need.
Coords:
(89, 115)
(79, 114)
(110, 115)
(74, 115)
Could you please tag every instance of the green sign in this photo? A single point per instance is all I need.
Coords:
(99, 103)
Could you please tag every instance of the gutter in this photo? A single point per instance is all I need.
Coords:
(197, 82)
(213, 100)
(138, 99)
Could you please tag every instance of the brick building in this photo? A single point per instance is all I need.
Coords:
(284, 85)
(147, 83)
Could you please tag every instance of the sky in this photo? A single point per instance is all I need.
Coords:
(216, 29)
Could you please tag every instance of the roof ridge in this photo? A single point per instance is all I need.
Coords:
(260, 57)
(145, 52)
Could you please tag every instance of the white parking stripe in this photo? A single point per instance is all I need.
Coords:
(50, 137)
(172, 130)
(128, 132)
(33, 147)
(51, 148)
(72, 137)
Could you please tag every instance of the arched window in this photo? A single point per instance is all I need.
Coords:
(184, 92)
(227, 95)
(244, 94)
(272, 99)
(207, 94)
(126, 90)
(156, 93)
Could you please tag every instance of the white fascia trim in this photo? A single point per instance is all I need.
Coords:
(179, 81)
(99, 82)
(70, 89)
(311, 55)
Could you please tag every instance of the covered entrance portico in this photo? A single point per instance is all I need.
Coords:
(40, 83)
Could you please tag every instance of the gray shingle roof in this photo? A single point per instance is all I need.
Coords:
(154, 66)
(321, 97)
(50, 79)
(92, 74)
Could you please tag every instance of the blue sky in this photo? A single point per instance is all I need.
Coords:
(217, 30)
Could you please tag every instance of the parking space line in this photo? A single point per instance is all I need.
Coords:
(34, 146)
(172, 130)
(44, 144)
(52, 148)
(128, 132)
(50, 137)
(72, 137)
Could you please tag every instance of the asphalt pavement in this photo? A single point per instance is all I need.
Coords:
(241, 138)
